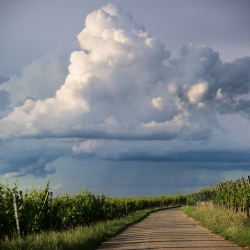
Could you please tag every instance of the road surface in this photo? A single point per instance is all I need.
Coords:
(167, 229)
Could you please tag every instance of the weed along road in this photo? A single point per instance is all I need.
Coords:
(167, 229)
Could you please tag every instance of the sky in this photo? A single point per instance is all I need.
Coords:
(129, 98)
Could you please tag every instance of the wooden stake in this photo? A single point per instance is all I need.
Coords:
(50, 204)
(238, 184)
(16, 213)
(46, 197)
(243, 181)
(25, 214)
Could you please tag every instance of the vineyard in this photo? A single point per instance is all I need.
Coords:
(37, 210)
(234, 195)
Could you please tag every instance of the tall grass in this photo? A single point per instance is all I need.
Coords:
(232, 226)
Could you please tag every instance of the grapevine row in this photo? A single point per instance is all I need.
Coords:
(234, 195)
(37, 211)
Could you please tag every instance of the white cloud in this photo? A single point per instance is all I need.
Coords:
(219, 95)
(11, 175)
(200, 105)
(109, 89)
(157, 103)
(196, 92)
(172, 89)
(40, 79)
(85, 147)
(58, 186)
(117, 85)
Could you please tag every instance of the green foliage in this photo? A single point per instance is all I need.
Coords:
(37, 212)
(233, 195)
(191, 199)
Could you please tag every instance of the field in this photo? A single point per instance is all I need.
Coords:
(38, 211)
(37, 220)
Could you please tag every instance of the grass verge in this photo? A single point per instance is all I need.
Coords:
(231, 226)
(78, 238)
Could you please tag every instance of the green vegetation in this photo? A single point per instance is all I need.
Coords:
(233, 195)
(37, 212)
(86, 237)
(224, 209)
(232, 226)
(84, 220)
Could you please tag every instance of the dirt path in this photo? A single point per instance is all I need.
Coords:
(167, 229)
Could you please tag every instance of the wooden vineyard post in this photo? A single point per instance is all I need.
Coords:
(50, 199)
(245, 205)
(232, 188)
(16, 213)
(238, 187)
(50, 204)
(61, 208)
(46, 197)
(244, 198)
(25, 214)
(228, 199)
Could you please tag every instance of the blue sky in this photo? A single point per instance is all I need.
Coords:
(127, 98)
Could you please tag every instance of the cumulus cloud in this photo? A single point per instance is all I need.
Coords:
(123, 86)
(196, 92)
(157, 103)
(116, 88)
(40, 79)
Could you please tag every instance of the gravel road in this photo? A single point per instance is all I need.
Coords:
(167, 229)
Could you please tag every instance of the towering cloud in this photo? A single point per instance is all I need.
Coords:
(123, 86)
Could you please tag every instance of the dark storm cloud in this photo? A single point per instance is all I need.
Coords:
(30, 157)
(159, 151)
(194, 156)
